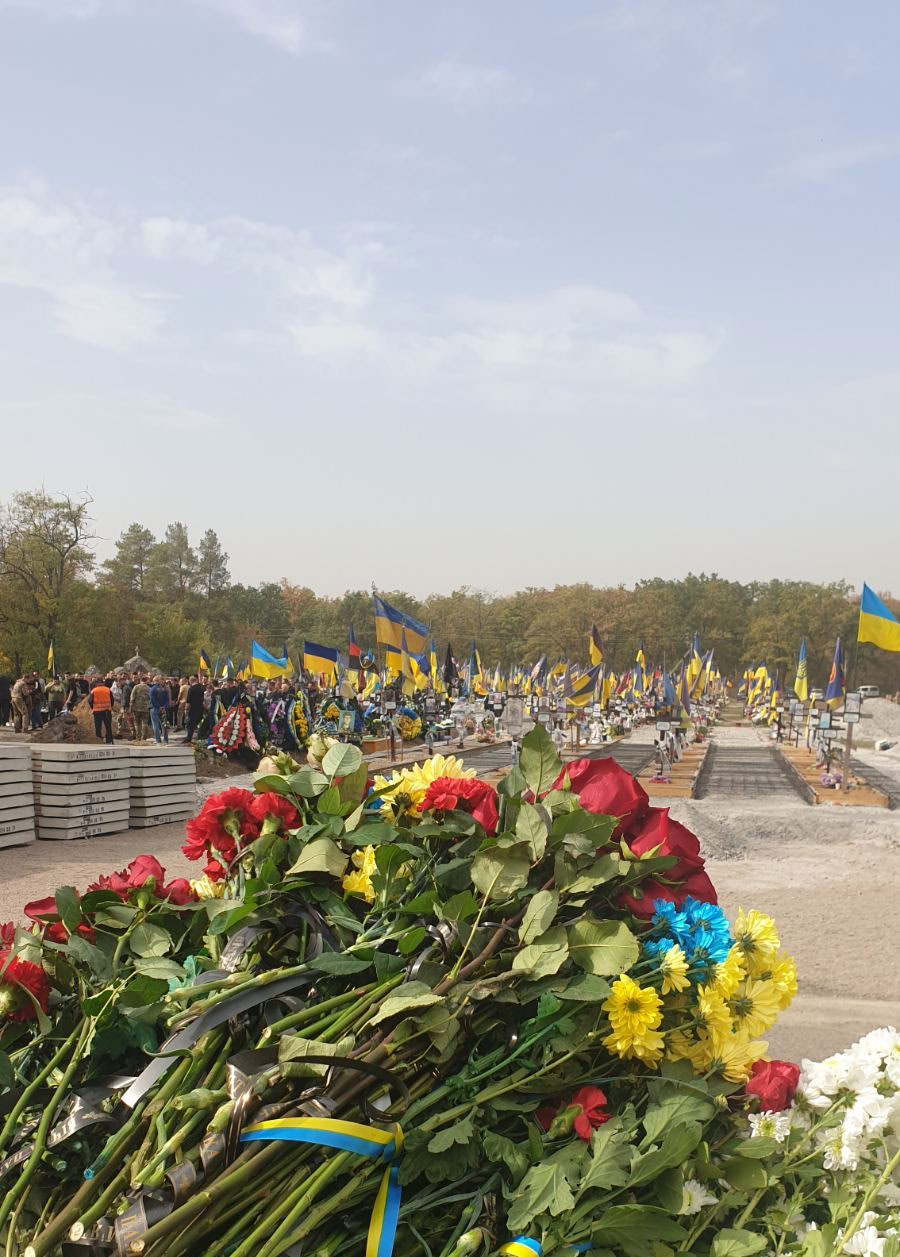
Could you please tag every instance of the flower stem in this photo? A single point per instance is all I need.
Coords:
(39, 1079)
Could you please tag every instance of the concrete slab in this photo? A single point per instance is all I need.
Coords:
(81, 777)
(55, 796)
(80, 754)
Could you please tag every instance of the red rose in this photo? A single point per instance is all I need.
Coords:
(697, 886)
(17, 978)
(178, 891)
(466, 794)
(606, 789)
(274, 805)
(658, 829)
(42, 910)
(586, 1112)
(142, 868)
(773, 1083)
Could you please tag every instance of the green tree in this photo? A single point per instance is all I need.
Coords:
(170, 638)
(128, 569)
(212, 565)
(173, 565)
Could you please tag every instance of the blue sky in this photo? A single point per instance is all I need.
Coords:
(495, 293)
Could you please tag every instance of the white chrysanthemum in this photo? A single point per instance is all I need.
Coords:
(694, 1197)
(865, 1241)
(771, 1125)
(882, 1042)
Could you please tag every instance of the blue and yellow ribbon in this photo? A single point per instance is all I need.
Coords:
(522, 1246)
(365, 1141)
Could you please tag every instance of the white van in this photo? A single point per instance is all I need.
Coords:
(868, 691)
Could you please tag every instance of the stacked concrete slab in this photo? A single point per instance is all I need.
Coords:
(81, 791)
(163, 785)
(16, 795)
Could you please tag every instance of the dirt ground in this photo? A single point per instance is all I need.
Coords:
(829, 876)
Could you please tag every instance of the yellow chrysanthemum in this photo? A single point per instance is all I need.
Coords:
(674, 969)
(728, 973)
(360, 882)
(756, 936)
(712, 1012)
(421, 776)
(679, 1045)
(728, 1055)
(634, 1013)
(754, 1007)
(205, 888)
(784, 976)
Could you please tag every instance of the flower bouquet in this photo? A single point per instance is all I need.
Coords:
(421, 1015)
(408, 723)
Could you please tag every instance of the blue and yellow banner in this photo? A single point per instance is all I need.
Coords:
(264, 665)
(801, 680)
(320, 660)
(390, 624)
(877, 624)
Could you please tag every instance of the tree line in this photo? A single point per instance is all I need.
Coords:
(167, 597)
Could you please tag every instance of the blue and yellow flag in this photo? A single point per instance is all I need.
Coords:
(877, 624)
(595, 649)
(580, 690)
(834, 691)
(320, 660)
(390, 623)
(801, 680)
(204, 665)
(228, 669)
(264, 665)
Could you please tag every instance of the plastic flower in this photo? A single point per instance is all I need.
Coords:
(694, 1197)
(22, 984)
(674, 969)
(634, 1012)
(360, 881)
(755, 1007)
(757, 938)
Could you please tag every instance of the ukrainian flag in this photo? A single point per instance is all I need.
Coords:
(801, 681)
(877, 624)
(834, 691)
(264, 665)
(320, 660)
(595, 650)
(580, 692)
(204, 665)
(390, 623)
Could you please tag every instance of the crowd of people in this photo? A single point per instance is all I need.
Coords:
(137, 705)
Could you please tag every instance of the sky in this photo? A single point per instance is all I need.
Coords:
(500, 294)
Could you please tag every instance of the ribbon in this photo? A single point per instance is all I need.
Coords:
(521, 1246)
(364, 1141)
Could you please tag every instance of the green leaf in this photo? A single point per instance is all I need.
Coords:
(669, 1189)
(539, 915)
(341, 760)
(320, 856)
(602, 947)
(330, 802)
(673, 1104)
(7, 1073)
(512, 785)
(744, 1174)
(633, 1226)
(294, 1047)
(408, 996)
(273, 784)
(117, 914)
(545, 956)
(148, 939)
(68, 907)
(411, 940)
(81, 950)
(601, 870)
(544, 1189)
(143, 991)
(538, 761)
(500, 871)
(760, 1148)
(91, 900)
(460, 1132)
(610, 1157)
(158, 967)
(584, 987)
(353, 786)
(530, 828)
(339, 962)
(459, 908)
(735, 1242)
(499, 1148)
(678, 1143)
(308, 782)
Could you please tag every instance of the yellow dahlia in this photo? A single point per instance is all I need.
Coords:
(726, 975)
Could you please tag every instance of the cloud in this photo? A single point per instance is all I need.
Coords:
(64, 253)
(825, 164)
(465, 87)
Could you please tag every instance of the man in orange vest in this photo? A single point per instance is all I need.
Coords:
(101, 702)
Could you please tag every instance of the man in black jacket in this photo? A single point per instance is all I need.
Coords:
(5, 700)
(193, 704)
